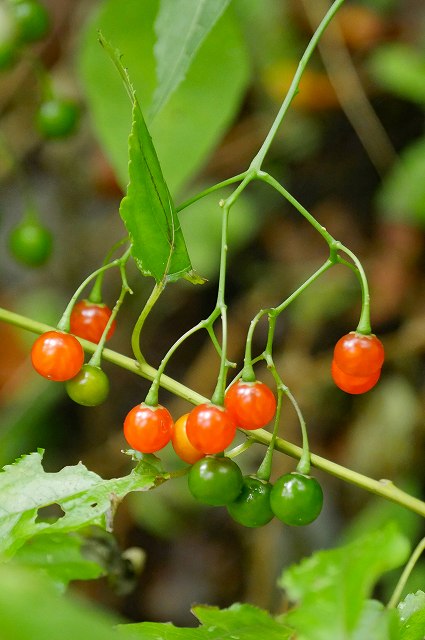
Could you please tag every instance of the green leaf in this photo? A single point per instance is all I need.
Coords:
(376, 623)
(401, 70)
(411, 612)
(83, 496)
(181, 27)
(31, 609)
(330, 588)
(157, 242)
(199, 111)
(61, 557)
(241, 621)
(402, 195)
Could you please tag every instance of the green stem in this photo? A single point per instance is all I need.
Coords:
(206, 192)
(383, 488)
(63, 324)
(325, 266)
(293, 89)
(95, 295)
(364, 326)
(304, 463)
(265, 468)
(248, 374)
(405, 575)
(265, 177)
(96, 358)
(135, 336)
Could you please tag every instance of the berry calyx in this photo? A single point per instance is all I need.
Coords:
(210, 428)
(359, 355)
(252, 506)
(57, 356)
(90, 387)
(181, 443)
(30, 243)
(215, 481)
(88, 320)
(353, 384)
(57, 118)
(251, 404)
(296, 499)
(148, 429)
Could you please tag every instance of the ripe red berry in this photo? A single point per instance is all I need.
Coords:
(210, 428)
(353, 384)
(57, 356)
(359, 355)
(148, 429)
(251, 404)
(88, 320)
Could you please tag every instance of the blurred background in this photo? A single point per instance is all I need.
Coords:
(351, 150)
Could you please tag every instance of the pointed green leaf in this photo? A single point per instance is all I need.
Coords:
(181, 27)
(157, 242)
(84, 497)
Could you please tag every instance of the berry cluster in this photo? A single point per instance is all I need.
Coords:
(217, 480)
(200, 437)
(59, 356)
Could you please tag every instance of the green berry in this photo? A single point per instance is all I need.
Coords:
(30, 243)
(57, 118)
(90, 387)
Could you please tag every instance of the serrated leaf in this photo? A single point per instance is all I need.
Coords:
(61, 557)
(240, 621)
(411, 612)
(157, 242)
(85, 498)
(330, 587)
(197, 114)
(31, 609)
(181, 26)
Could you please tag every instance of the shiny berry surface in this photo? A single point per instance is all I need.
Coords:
(353, 384)
(88, 320)
(251, 404)
(359, 355)
(57, 356)
(215, 481)
(252, 507)
(210, 428)
(181, 444)
(296, 499)
(148, 429)
(90, 387)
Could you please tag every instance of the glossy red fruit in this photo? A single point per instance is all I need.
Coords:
(210, 428)
(88, 320)
(353, 384)
(57, 356)
(359, 355)
(251, 404)
(181, 443)
(148, 429)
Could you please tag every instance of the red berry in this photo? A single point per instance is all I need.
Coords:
(251, 404)
(57, 356)
(210, 428)
(181, 443)
(88, 320)
(148, 429)
(354, 384)
(359, 355)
